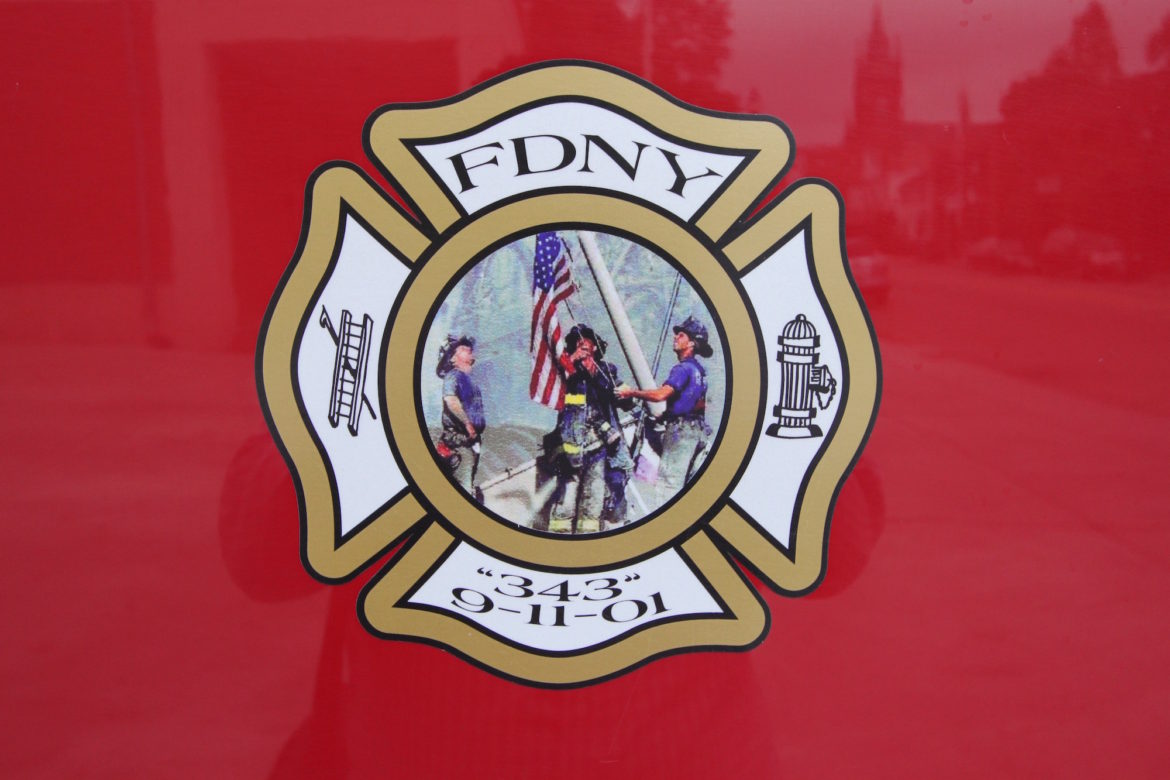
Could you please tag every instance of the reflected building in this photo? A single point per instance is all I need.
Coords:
(997, 193)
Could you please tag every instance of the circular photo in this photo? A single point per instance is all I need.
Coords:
(573, 382)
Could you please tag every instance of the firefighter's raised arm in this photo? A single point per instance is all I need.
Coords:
(655, 394)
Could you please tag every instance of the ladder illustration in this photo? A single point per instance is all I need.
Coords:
(349, 369)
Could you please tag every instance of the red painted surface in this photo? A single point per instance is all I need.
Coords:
(997, 590)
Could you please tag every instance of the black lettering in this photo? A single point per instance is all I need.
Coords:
(521, 584)
(560, 591)
(568, 152)
(659, 604)
(631, 169)
(480, 603)
(612, 590)
(558, 616)
(610, 611)
(680, 178)
(462, 168)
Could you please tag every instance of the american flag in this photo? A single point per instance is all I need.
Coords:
(551, 284)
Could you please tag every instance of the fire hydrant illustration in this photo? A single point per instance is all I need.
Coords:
(805, 385)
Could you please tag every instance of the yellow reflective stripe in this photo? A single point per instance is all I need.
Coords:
(575, 399)
(570, 449)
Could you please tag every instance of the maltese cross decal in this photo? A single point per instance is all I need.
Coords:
(578, 384)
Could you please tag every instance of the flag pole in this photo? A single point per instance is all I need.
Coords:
(620, 319)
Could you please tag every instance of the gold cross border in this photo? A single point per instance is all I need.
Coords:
(818, 209)
(811, 205)
(808, 203)
(763, 140)
(384, 611)
(330, 191)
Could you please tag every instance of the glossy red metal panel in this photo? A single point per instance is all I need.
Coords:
(995, 602)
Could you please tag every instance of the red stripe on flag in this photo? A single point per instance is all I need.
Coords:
(546, 385)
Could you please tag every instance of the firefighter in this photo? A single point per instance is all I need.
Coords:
(684, 441)
(596, 464)
(463, 419)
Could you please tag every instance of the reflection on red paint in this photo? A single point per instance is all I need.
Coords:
(994, 603)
